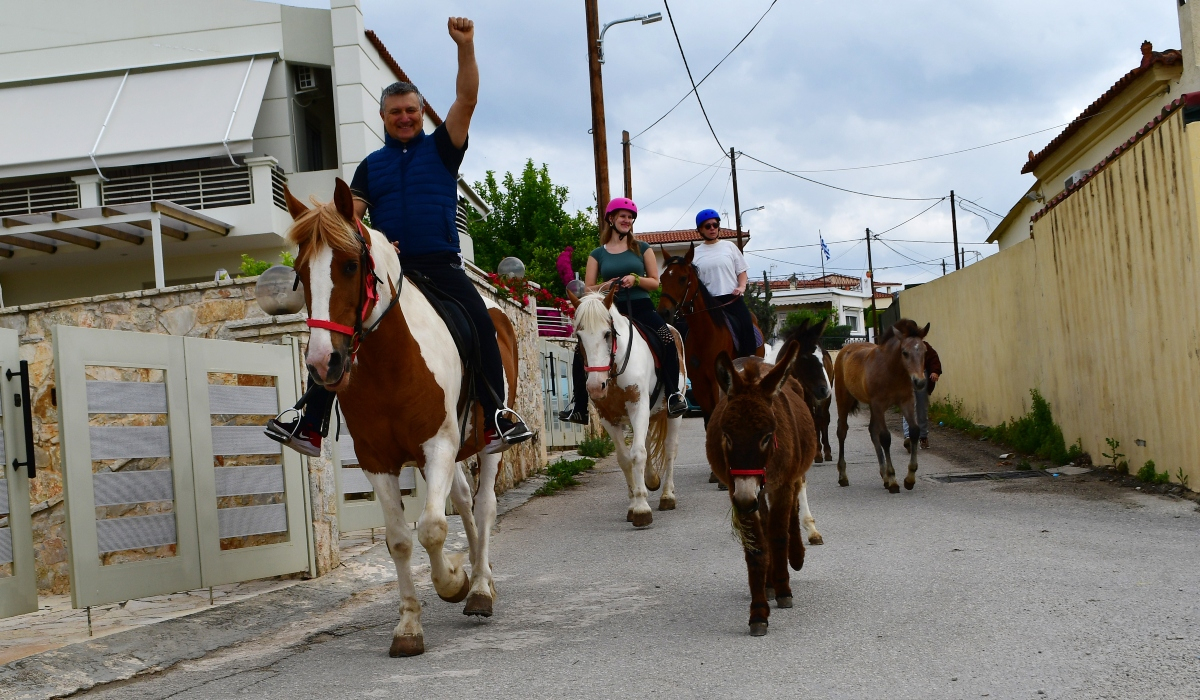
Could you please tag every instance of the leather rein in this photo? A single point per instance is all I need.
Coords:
(687, 306)
(368, 298)
(612, 355)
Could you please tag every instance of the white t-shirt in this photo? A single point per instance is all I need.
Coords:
(719, 264)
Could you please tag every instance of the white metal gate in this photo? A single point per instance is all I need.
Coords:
(556, 394)
(357, 507)
(168, 481)
(18, 583)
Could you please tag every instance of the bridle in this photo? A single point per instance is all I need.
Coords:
(687, 306)
(612, 354)
(761, 473)
(367, 300)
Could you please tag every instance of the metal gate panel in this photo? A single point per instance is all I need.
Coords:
(556, 390)
(251, 494)
(145, 542)
(357, 507)
(18, 582)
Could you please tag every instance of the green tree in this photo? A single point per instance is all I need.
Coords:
(760, 306)
(529, 220)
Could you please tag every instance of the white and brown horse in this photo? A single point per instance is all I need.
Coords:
(620, 379)
(401, 391)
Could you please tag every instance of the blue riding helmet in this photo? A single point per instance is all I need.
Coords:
(706, 215)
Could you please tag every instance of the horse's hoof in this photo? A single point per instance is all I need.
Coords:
(828, 456)
(722, 487)
(894, 488)
(461, 595)
(770, 593)
(908, 485)
(758, 629)
(407, 645)
(629, 516)
(642, 519)
(817, 459)
(479, 605)
(815, 539)
(843, 481)
(784, 601)
(665, 503)
(712, 477)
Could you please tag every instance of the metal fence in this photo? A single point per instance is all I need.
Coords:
(556, 393)
(196, 189)
(18, 582)
(15, 201)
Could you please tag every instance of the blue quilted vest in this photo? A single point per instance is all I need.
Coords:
(414, 198)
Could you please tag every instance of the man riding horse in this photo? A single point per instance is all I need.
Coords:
(410, 188)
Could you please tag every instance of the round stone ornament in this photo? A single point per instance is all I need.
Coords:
(274, 291)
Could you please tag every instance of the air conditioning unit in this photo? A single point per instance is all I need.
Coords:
(1075, 179)
(305, 80)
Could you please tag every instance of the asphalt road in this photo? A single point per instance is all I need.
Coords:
(960, 590)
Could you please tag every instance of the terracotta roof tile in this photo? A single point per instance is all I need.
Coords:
(398, 71)
(831, 280)
(1150, 58)
(685, 235)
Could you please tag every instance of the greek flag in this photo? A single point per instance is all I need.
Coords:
(824, 248)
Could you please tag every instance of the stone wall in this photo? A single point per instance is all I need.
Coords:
(222, 310)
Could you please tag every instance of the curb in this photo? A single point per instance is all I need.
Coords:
(157, 647)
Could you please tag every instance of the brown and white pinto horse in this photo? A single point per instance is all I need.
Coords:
(401, 391)
(882, 376)
(760, 443)
(685, 297)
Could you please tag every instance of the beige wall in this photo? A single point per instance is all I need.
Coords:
(1098, 312)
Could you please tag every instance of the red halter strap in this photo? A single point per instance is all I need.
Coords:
(611, 358)
(756, 472)
(369, 297)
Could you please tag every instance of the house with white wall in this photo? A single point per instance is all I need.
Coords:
(147, 144)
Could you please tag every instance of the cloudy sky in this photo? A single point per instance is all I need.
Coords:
(819, 86)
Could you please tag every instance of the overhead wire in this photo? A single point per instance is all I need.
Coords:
(698, 196)
(842, 189)
(702, 171)
(688, 68)
(710, 72)
(931, 206)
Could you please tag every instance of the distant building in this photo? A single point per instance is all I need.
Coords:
(849, 296)
(147, 144)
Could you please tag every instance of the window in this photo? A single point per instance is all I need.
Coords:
(852, 321)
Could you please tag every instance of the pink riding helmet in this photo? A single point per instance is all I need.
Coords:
(621, 203)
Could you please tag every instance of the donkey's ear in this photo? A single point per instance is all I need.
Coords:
(690, 254)
(925, 330)
(773, 383)
(727, 376)
(573, 299)
(343, 199)
(608, 297)
(295, 206)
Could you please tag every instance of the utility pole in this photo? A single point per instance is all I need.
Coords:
(954, 228)
(871, 276)
(599, 137)
(964, 257)
(943, 267)
(628, 171)
(737, 207)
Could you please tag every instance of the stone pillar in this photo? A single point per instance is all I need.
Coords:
(260, 177)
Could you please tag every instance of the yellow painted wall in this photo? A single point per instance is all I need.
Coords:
(1099, 311)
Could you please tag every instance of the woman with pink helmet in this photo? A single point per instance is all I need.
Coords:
(624, 261)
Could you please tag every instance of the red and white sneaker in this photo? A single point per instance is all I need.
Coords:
(293, 435)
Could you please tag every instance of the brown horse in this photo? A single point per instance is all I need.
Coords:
(760, 443)
(685, 298)
(882, 375)
(380, 345)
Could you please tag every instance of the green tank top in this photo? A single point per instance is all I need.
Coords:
(621, 264)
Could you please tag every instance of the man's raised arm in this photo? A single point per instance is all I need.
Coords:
(458, 119)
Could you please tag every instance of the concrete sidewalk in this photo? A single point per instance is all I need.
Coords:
(49, 654)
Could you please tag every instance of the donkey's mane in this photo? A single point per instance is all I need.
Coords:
(908, 329)
(322, 225)
(592, 312)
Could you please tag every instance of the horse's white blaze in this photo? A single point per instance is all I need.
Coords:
(320, 289)
(745, 490)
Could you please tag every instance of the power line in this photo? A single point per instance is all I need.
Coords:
(842, 189)
(710, 72)
(678, 43)
(931, 206)
(698, 196)
(713, 164)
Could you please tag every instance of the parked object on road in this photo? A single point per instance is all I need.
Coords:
(882, 375)
(381, 345)
(760, 443)
(624, 386)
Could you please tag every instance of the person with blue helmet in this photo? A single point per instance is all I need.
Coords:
(628, 263)
(722, 269)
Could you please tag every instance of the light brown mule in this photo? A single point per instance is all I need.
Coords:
(760, 443)
(882, 376)
(401, 389)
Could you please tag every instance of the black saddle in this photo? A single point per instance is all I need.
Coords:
(735, 328)
(453, 315)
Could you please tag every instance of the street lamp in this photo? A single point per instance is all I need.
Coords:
(747, 211)
(644, 19)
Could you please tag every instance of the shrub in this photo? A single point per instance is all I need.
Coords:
(597, 446)
(562, 474)
(252, 267)
(1146, 473)
(1036, 433)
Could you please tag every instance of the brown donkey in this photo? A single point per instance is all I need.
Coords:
(760, 443)
(882, 375)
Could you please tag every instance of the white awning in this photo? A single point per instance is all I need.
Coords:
(152, 116)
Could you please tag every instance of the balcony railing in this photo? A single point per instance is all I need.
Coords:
(195, 189)
(32, 200)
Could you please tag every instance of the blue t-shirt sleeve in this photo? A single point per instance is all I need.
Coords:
(358, 186)
(643, 247)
